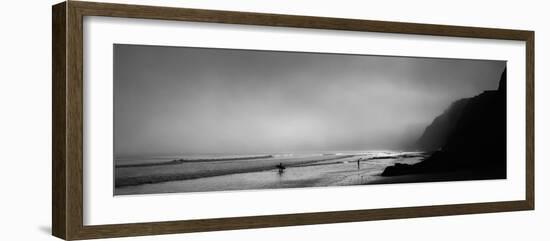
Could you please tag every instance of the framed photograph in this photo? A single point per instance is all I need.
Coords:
(172, 120)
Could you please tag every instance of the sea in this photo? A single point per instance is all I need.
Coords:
(187, 173)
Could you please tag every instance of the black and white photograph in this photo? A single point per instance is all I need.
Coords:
(190, 119)
(252, 120)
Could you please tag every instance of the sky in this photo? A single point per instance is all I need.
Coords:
(180, 100)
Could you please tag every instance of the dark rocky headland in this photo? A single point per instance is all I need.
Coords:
(468, 138)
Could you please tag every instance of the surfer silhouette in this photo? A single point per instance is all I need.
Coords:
(281, 168)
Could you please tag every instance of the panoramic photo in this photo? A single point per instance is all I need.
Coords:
(192, 119)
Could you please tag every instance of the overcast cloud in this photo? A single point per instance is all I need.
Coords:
(174, 100)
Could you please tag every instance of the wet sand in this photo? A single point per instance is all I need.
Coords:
(319, 173)
(434, 177)
(149, 174)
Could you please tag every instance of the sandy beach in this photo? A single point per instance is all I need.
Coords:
(300, 171)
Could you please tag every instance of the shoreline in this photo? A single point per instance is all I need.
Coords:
(183, 160)
(433, 177)
(153, 179)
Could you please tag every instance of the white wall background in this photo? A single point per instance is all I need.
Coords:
(25, 122)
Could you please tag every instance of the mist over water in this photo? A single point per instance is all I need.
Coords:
(170, 100)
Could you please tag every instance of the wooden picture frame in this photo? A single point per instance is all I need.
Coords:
(67, 152)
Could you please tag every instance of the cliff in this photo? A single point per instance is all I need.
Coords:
(469, 137)
(437, 133)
